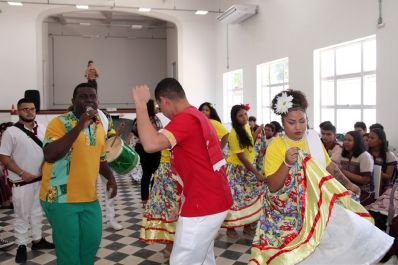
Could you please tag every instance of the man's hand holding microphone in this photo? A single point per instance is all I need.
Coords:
(87, 118)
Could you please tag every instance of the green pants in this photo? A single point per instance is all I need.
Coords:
(77, 231)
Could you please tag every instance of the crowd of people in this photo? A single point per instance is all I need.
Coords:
(297, 193)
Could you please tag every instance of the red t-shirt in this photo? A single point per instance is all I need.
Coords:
(206, 191)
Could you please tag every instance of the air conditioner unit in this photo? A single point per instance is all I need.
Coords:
(237, 14)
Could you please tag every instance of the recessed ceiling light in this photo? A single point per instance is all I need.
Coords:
(82, 6)
(136, 26)
(15, 3)
(144, 9)
(84, 24)
(201, 12)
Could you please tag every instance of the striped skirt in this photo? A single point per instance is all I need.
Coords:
(162, 208)
(246, 192)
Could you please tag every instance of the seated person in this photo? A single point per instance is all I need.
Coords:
(376, 126)
(357, 165)
(328, 137)
(253, 125)
(365, 138)
(378, 148)
(360, 126)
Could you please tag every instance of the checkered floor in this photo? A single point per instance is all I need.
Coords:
(123, 247)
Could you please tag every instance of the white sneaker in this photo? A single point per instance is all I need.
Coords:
(115, 225)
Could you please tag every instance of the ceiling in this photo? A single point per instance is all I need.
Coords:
(101, 20)
(107, 24)
(108, 19)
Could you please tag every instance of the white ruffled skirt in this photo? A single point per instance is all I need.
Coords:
(349, 239)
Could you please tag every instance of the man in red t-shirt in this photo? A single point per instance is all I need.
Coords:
(198, 164)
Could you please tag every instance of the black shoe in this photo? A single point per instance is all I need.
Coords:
(42, 244)
(21, 254)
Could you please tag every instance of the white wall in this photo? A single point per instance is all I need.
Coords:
(22, 54)
(19, 63)
(294, 29)
(196, 57)
(172, 50)
(122, 64)
(387, 66)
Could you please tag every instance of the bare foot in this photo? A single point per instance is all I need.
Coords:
(144, 203)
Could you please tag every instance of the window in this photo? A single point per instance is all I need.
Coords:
(345, 84)
(272, 78)
(233, 91)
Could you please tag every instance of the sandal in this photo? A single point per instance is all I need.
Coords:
(167, 251)
(247, 230)
(231, 233)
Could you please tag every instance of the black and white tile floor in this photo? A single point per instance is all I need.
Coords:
(124, 247)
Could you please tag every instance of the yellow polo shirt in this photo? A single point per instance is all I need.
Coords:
(235, 148)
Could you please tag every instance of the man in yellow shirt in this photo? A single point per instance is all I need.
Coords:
(74, 153)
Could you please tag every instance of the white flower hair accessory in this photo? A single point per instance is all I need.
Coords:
(283, 103)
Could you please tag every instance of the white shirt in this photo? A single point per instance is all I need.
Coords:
(23, 150)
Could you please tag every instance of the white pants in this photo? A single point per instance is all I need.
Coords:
(27, 211)
(109, 204)
(194, 239)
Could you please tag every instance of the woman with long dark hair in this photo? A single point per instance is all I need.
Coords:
(357, 165)
(378, 148)
(243, 177)
(210, 112)
(149, 161)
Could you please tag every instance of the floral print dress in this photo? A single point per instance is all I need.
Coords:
(162, 209)
(246, 189)
(312, 206)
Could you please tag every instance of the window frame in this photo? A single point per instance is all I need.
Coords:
(318, 79)
(228, 84)
(265, 86)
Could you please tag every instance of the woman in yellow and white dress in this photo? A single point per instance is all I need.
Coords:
(161, 211)
(310, 216)
(243, 178)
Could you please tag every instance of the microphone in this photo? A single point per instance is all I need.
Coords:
(94, 119)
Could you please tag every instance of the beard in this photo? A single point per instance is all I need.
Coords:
(26, 119)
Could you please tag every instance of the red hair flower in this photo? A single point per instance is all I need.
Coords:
(246, 106)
